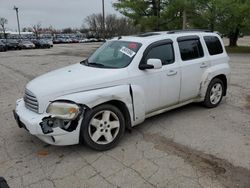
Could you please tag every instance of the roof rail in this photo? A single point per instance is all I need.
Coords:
(148, 34)
(188, 30)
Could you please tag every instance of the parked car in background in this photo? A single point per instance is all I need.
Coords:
(3, 47)
(75, 40)
(26, 44)
(93, 101)
(41, 43)
(56, 41)
(49, 41)
(83, 40)
(12, 44)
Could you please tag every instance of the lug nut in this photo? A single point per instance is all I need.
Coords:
(101, 130)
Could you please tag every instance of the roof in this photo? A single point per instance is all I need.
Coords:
(161, 35)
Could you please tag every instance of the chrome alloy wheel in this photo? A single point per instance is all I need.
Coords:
(216, 93)
(104, 127)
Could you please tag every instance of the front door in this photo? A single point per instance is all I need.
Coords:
(167, 78)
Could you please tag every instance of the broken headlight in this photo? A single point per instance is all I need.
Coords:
(63, 110)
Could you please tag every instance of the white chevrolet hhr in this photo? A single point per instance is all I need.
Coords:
(123, 82)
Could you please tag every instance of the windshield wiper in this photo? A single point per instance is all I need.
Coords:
(87, 63)
(84, 62)
(96, 64)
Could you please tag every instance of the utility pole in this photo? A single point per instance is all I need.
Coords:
(103, 19)
(16, 9)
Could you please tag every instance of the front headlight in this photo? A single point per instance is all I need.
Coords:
(63, 110)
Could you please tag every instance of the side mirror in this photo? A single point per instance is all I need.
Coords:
(151, 64)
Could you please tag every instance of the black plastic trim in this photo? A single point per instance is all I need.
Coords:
(188, 31)
(190, 37)
(132, 98)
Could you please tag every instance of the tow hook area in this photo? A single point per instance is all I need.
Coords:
(48, 123)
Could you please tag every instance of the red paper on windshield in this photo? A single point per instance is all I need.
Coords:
(132, 45)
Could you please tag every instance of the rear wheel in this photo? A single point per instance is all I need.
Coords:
(103, 127)
(214, 93)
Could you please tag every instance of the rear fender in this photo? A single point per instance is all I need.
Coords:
(211, 73)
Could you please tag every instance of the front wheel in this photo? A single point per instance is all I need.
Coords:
(102, 127)
(214, 93)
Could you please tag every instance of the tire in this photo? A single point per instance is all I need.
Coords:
(102, 127)
(214, 93)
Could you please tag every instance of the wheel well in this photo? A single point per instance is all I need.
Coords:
(223, 78)
(123, 108)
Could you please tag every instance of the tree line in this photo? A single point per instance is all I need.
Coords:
(229, 17)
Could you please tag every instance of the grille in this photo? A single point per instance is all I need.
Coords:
(30, 101)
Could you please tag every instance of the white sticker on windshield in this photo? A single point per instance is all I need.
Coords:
(127, 51)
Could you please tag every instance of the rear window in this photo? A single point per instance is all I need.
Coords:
(190, 49)
(213, 45)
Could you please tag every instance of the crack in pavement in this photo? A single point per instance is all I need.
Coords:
(247, 106)
(27, 76)
(228, 174)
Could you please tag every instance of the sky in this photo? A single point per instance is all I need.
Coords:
(58, 13)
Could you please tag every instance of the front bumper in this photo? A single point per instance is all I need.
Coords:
(31, 121)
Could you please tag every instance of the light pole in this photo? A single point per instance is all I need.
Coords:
(103, 19)
(16, 9)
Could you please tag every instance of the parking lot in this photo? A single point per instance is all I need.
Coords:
(188, 147)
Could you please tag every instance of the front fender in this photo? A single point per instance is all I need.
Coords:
(132, 96)
(96, 97)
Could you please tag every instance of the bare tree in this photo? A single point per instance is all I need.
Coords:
(114, 26)
(94, 22)
(3, 22)
(37, 29)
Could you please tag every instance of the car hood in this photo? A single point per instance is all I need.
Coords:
(72, 79)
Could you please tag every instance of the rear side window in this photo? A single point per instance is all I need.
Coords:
(190, 49)
(213, 45)
(163, 52)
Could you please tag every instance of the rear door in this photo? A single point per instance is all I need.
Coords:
(193, 64)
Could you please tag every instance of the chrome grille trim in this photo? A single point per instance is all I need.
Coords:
(30, 101)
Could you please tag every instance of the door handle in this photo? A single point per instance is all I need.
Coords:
(203, 65)
(172, 72)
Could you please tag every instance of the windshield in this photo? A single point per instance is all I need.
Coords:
(114, 54)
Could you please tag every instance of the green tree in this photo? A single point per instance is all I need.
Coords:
(157, 14)
(227, 16)
(145, 13)
(236, 18)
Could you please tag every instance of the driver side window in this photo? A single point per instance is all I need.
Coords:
(163, 52)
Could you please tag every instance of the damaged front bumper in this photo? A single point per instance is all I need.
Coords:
(47, 128)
